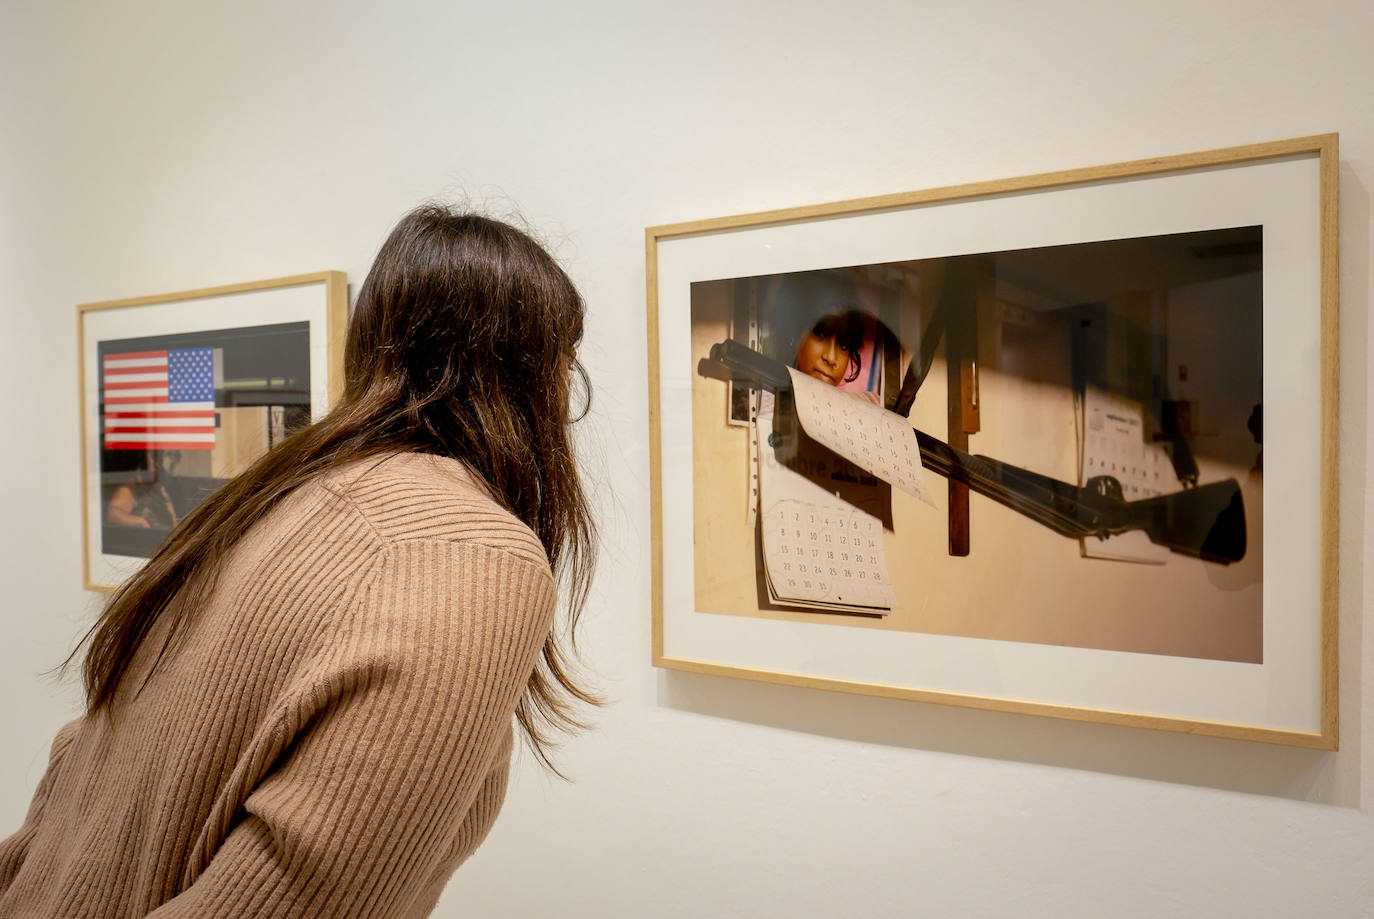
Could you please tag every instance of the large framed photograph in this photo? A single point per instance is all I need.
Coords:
(1062, 444)
(182, 391)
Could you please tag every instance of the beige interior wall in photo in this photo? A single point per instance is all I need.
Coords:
(160, 146)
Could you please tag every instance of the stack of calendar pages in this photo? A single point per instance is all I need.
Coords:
(824, 497)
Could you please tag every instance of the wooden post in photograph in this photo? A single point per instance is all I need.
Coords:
(961, 363)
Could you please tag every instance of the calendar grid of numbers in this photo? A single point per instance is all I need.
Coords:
(826, 555)
(866, 434)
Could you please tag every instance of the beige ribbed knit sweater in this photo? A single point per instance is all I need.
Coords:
(333, 735)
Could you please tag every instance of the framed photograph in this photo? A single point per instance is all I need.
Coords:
(182, 391)
(1003, 445)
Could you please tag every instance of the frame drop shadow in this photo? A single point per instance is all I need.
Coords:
(1163, 756)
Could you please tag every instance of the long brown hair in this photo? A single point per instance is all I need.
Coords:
(462, 344)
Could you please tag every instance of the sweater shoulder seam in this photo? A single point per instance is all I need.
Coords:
(515, 536)
(357, 511)
(531, 554)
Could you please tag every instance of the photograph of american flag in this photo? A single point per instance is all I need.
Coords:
(160, 400)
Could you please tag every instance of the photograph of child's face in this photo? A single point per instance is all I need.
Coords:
(830, 350)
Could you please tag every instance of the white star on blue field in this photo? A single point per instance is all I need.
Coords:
(191, 375)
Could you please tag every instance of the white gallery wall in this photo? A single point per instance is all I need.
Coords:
(153, 146)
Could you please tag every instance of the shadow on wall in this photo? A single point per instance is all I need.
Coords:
(1233, 765)
(1357, 744)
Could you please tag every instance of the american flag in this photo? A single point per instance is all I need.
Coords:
(160, 400)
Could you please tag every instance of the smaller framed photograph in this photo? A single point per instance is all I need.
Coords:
(182, 391)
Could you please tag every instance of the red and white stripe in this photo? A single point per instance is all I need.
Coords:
(137, 413)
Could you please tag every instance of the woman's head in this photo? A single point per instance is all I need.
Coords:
(463, 343)
(830, 349)
(462, 306)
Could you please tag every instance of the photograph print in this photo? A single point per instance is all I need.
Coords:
(1090, 417)
(182, 414)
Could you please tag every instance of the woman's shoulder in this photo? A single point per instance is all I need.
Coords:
(420, 496)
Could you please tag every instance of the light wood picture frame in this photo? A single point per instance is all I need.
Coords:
(181, 391)
(1085, 363)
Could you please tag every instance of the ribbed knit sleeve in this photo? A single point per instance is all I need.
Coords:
(14, 848)
(395, 734)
